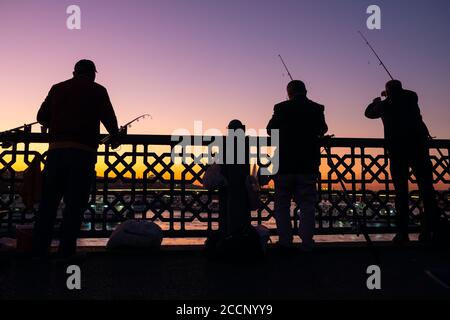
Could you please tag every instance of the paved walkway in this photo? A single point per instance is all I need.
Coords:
(333, 271)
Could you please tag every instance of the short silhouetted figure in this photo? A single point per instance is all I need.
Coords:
(301, 122)
(236, 237)
(72, 112)
(407, 142)
(234, 204)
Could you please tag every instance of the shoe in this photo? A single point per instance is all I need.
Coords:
(401, 239)
(285, 248)
(307, 247)
(425, 238)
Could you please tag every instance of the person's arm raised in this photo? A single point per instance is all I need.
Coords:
(375, 109)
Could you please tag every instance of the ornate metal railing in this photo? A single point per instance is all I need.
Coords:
(140, 181)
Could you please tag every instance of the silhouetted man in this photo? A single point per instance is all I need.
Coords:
(72, 112)
(300, 122)
(407, 139)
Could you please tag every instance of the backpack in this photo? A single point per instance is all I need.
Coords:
(245, 245)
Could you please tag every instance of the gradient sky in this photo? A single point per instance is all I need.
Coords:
(216, 60)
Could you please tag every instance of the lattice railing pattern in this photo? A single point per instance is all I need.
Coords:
(140, 181)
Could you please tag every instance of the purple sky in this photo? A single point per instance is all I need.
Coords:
(216, 60)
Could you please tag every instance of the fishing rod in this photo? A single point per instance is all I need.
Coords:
(376, 55)
(287, 70)
(441, 154)
(123, 129)
(26, 127)
(358, 225)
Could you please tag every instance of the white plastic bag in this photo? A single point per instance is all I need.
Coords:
(136, 234)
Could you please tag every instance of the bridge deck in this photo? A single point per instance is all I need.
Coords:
(333, 271)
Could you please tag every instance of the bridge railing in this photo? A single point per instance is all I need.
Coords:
(140, 181)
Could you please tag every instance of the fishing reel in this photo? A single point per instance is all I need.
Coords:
(5, 144)
(112, 139)
(326, 137)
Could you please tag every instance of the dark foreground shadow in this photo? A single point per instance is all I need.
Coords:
(330, 272)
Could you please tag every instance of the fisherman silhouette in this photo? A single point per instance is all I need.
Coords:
(407, 143)
(236, 238)
(300, 122)
(72, 112)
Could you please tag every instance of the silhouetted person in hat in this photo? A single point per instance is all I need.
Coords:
(236, 237)
(72, 112)
(301, 122)
(407, 142)
(234, 206)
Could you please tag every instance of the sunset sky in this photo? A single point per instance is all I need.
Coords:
(215, 60)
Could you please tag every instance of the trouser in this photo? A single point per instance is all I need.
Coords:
(303, 188)
(418, 160)
(68, 175)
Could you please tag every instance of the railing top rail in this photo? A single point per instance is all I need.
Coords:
(18, 137)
